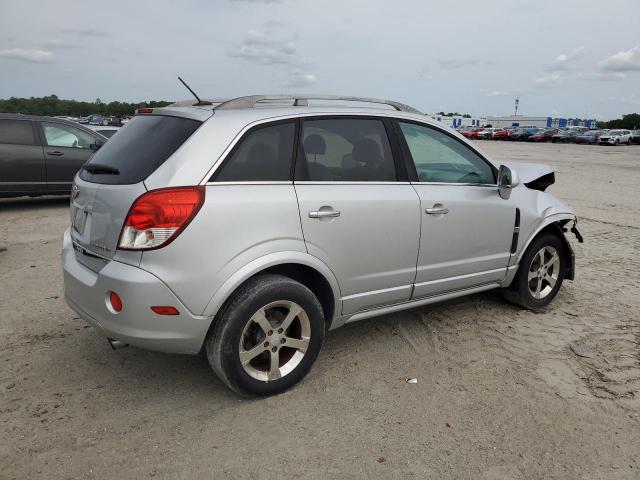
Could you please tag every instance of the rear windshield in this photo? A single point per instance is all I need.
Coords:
(139, 149)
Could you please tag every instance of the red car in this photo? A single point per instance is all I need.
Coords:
(471, 133)
(543, 135)
(502, 134)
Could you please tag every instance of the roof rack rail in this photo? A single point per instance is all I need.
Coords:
(192, 103)
(302, 101)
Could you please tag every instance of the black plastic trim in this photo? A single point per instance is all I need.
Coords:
(542, 183)
(516, 233)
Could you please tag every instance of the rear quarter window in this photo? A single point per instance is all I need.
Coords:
(139, 148)
(16, 132)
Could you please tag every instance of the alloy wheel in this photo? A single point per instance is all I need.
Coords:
(274, 340)
(543, 272)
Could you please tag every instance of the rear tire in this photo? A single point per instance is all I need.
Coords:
(540, 274)
(267, 337)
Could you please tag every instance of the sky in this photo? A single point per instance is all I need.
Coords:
(561, 58)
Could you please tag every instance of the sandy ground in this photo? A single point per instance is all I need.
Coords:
(502, 393)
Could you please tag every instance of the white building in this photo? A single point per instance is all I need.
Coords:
(457, 121)
(542, 122)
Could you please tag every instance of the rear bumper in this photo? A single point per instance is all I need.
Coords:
(87, 291)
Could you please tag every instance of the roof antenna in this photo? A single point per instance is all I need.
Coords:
(199, 103)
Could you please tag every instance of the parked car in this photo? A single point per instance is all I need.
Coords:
(40, 155)
(579, 129)
(589, 137)
(635, 137)
(565, 136)
(487, 133)
(543, 135)
(112, 122)
(471, 132)
(504, 134)
(249, 232)
(95, 119)
(616, 137)
(105, 131)
(523, 133)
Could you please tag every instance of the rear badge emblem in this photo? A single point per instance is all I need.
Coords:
(75, 191)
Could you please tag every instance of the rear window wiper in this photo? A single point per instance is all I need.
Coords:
(100, 168)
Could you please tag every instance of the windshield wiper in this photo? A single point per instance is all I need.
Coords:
(97, 168)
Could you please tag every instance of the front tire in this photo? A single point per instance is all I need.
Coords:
(540, 275)
(267, 337)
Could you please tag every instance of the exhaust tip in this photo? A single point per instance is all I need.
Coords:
(117, 344)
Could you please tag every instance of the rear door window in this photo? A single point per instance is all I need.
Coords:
(345, 150)
(263, 155)
(59, 135)
(139, 148)
(17, 132)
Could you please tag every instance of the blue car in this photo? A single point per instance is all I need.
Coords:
(591, 137)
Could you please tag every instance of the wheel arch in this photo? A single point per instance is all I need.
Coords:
(553, 224)
(302, 267)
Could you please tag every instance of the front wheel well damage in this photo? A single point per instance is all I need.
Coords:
(557, 229)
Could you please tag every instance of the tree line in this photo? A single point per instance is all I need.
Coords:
(628, 122)
(53, 106)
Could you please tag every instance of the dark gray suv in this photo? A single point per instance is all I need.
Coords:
(41, 155)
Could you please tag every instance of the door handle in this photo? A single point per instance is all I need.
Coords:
(436, 210)
(55, 153)
(325, 214)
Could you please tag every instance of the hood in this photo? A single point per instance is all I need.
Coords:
(534, 175)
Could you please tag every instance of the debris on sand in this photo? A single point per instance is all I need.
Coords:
(412, 381)
(580, 350)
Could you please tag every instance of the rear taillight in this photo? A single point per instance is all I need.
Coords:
(157, 217)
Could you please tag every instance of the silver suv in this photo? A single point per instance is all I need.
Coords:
(246, 229)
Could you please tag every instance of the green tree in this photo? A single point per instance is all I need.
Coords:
(630, 121)
(51, 105)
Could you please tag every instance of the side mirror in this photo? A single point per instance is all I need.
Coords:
(507, 179)
(96, 145)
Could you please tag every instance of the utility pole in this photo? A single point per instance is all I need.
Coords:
(517, 102)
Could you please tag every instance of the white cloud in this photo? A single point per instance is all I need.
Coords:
(603, 76)
(499, 93)
(85, 32)
(625, 61)
(626, 100)
(267, 47)
(549, 81)
(566, 61)
(27, 55)
(452, 64)
(300, 79)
